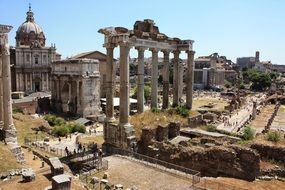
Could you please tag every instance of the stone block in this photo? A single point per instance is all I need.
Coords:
(173, 130)
(61, 182)
(148, 135)
(56, 166)
(162, 133)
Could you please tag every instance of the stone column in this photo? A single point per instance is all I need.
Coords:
(154, 78)
(175, 78)
(43, 82)
(78, 94)
(31, 81)
(124, 83)
(58, 89)
(140, 87)
(110, 83)
(1, 95)
(165, 101)
(47, 82)
(26, 82)
(10, 131)
(190, 79)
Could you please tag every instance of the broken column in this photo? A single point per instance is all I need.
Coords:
(10, 131)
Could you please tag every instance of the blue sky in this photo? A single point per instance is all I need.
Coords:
(233, 28)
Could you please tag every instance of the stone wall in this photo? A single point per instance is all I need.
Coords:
(270, 152)
(230, 161)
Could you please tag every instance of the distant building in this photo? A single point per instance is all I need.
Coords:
(31, 58)
(248, 62)
(76, 86)
(210, 71)
(102, 58)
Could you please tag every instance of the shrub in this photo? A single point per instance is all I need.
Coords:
(248, 133)
(155, 110)
(60, 130)
(273, 136)
(18, 110)
(211, 128)
(227, 84)
(53, 120)
(182, 110)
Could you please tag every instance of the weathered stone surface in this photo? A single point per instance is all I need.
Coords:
(61, 182)
(270, 152)
(195, 121)
(162, 133)
(173, 130)
(231, 161)
(148, 134)
(56, 166)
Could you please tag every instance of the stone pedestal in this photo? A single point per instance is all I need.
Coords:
(61, 182)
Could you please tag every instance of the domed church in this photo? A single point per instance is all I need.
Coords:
(31, 58)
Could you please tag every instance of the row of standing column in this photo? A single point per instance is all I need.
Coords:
(22, 81)
(124, 81)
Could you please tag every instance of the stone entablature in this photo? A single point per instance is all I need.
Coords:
(76, 86)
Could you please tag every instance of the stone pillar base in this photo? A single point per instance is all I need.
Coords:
(10, 135)
(119, 135)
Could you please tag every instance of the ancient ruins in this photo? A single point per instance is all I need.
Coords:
(144, 36)
(6, 119)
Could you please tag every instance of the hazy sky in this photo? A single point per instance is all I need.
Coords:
(233, 28)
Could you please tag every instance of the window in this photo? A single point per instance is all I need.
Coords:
(36, 60)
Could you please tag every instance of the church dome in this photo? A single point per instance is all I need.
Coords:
(29, 32)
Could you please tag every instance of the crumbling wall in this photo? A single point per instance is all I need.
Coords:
(231, 161)
(270, 152)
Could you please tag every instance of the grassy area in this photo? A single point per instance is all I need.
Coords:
(151, 119)
(219, 105)
(7, 159)
(93, 139)
(25, 124)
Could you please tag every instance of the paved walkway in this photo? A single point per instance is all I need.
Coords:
(240, 117)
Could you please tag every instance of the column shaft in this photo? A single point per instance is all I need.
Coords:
(7, 103)
(190, 79)
(1, 94)
(124, 84)
(31, 81)
(110, 83)
(165, 101)
(154, 78)
(140, 83)
(175, 78)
